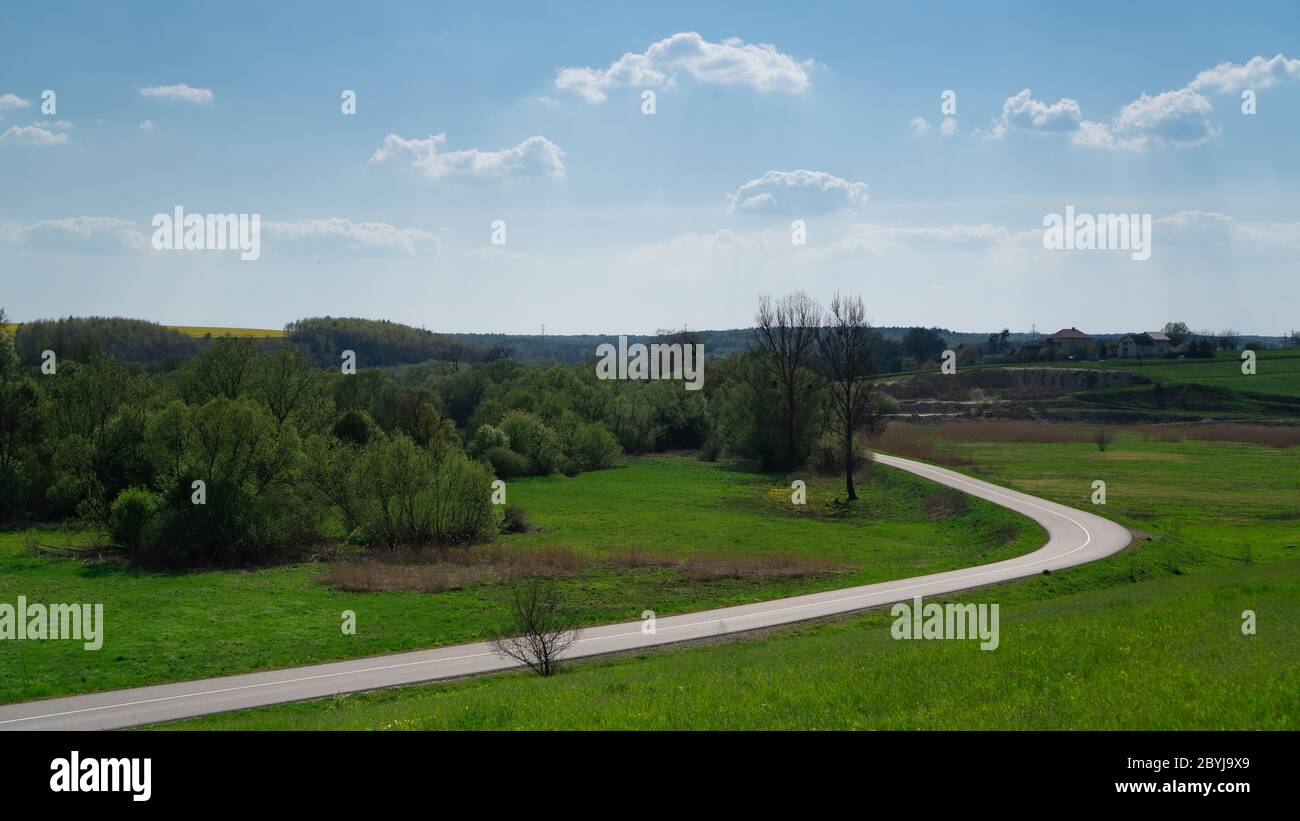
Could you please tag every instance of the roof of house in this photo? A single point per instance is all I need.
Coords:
(1069, 333)
(1157, 336)
(1138, 339)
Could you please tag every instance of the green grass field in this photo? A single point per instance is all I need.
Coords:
(1149, 638)
(1166, 654)
(168, 627)
(1277, 371)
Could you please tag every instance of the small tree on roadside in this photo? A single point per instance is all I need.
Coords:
(538, 631)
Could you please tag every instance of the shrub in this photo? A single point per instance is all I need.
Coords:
(1102, 438)
(130, 514)
(529, 435)
(486, 439)
(515, 520)
(411, 497)
(593, 447)
(355, 426)
(711, 449)
(506, 463)
(827, 458)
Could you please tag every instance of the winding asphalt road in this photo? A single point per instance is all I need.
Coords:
(1076, 537)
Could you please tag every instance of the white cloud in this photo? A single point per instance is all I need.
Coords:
(535, 156)
(1179, 118)
(921, 127)
(84, 234)
(1024, 113)
(180, 91)
(1207, 228)
(12, 102)
(1171, 118)
(355, 236)
(798, 192)
(1258, 73)
(39, 133)
(147, 125)
(687, 54)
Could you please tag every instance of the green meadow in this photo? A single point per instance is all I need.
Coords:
(1150, 638)
(174, 626)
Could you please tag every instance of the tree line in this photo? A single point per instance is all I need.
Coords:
(244, 452)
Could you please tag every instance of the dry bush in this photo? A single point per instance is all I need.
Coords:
(1102, 438)
(374, 577)
(635, 557)
(940, 505)
(515, 520)
(538, 629)
(1007, 430)
(748, 568)
(1277, 436)
(436, 570)
(918, 442)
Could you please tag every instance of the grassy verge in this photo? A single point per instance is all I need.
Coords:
(174, 626)
(1149, 638)
(1164, 654)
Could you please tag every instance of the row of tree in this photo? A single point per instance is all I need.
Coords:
(244, 450)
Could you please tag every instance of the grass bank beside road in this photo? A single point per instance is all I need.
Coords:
(670, 534)
(1150, 638)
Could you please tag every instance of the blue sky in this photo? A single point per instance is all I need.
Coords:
(618, 221)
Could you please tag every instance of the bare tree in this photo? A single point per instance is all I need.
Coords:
(1102, 437)
(539, 631)
(787, 335)
(844, 356)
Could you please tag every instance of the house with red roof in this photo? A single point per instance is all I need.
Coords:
(1069, 342)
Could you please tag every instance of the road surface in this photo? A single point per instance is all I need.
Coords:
(1075, 537)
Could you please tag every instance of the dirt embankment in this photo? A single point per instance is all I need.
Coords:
(1009, 383)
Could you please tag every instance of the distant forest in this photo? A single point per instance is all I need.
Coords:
(381, 343)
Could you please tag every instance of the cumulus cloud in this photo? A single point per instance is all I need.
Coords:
(180, 91)
(12, 102)
(76, 234)
(535, 156)
(38, 133)
(686, 54)
(147, 125)
(355, 236)
(1257, 73)
(921, 127)
(1025, 113)
(1172, 118)
(1180, 117)
(1206, 228)
(799, 191)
